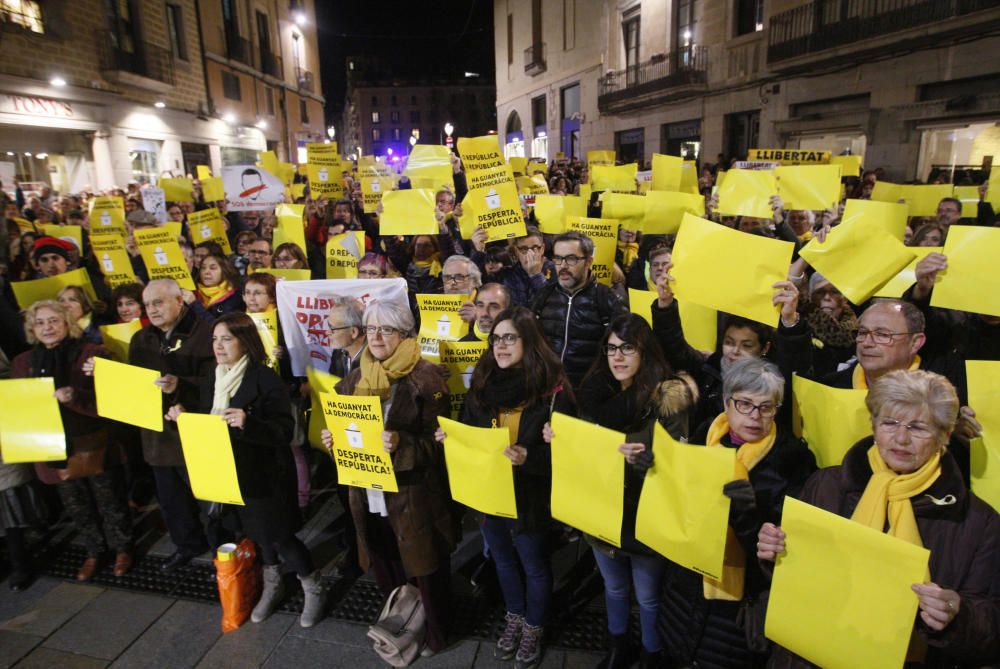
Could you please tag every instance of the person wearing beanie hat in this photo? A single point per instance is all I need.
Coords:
(51, 256)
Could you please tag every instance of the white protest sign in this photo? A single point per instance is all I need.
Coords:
(154, 200)
(250, 188)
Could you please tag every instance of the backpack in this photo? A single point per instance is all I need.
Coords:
(398, 634)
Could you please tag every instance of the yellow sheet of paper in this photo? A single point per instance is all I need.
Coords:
(70, 233)
(203, 172)
(856, 260)
(498, 210)
(291, 228)
(480, 476)
(286, 172)
(907, 276)
(208, 456)
(599, 158)
(533, 185)
(629, 210)
(356, 425)
(439, 321)
(831, 420)
(747, 193)
(518, 165)
(174, 228)
(551, 211)
(372, 190)
(534, 167)
(460, 357)
(207, 226)
(430, 163)
(177, 190)
(814, 187)
(128, 394)
(267, 330)
(269, 160)
(287, 274)
(667, 172)
(319, 382)
(971, 282)
(700, 324)
(29, 292)
(689, 177)
(343, 253)
(869, 214)
(325, 181)
(24, 225)
(588, 477)
(665, 211)
(614, 177)
(841, 594)
(297, 190)
(983, 383)
(850, 166)
(883, 191)
(212, 189)
(408, 212)
(31, 428)
(107, 212)
(993, 190)
(683, 514)
(162, 256)
(604, 233)
(117, 338)
(113, 259)
(923, 200)
(969, 197)
(728, 270)
(584, 191)
(483, 162)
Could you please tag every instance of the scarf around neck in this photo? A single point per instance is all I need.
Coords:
(227, 381)
(887, 497)
(630, 251)
(56, 362)
(432, 265)
(377, 375)
(210, 295)
(860, 382)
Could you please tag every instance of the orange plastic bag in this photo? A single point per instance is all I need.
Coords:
(239, 584)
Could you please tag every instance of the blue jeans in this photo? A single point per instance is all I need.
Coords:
(620, 573)
(510, 552)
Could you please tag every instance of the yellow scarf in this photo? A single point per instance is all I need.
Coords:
(209, 295)
(630, 251)
(433, 264)
(860, 382)
(480, 335)
(748, 456)
(377, 375)
(888, 494)
(84, 321)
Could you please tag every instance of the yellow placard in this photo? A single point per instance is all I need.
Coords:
(883, 191)
(128, 394)
(584, 191)
(629, 210)
(869, 214)
(291, 228)
(483, 162)
(747, 193)
(700, 324)
(983, 384)
(212, 189)
(203, 172)
(841, 595)
(286, 172)
(117, 338)
(551, 211)
(480, 476)
(969, 197)
(429, 166)
(207, 226)
(343, 253)
(297, 190)
(728, 270)
(518, 165)
(497, 210)
(31, 427)
(468, 220)
(69, 233)
(460, 357)
(114, 261)
(533, 185)
(439, 321)
(907, 276)
(595, 158)
(830, 420)
(177, 190)
(858, 261)
(319, 382)
(850, 166)
(107, 212)
(208, 456)
(588, 477)
(604, 233)
(682, 513)
(286, 274)
(814, 187)
(535, 167)
(325, 181)
(993, 190)
(29, 292)
(614, 177)
(408, 212)
(162, 256)
(923, 200)
(356, 425)
(174, 227)
(24, 225)
(788, 156)
(689, 178)
(267, 329)
(269, 159)
(667, 172)
(971, 282)
(665, 211)
(372, 190)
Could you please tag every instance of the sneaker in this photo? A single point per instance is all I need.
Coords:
(510, 638)
(529, 652)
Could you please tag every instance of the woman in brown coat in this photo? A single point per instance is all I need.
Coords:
(410, 534)
(913, 415)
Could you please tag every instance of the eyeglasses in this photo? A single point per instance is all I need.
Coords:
(384, 330)
(508, 339)
(569, 261)
(455, 278)
(878, 336)
(746, 407)
(625, 349)
(369, 273)
(916, 430)
(525, 249)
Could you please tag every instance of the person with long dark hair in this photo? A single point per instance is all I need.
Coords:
(504, 393)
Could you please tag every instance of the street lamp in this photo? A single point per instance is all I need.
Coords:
(331, 132)
(413, 142)
(448, 129)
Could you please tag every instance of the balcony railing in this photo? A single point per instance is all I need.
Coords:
(679, 68)
(826, 24)
(237, 48)
(534, 59)
(145, 60)
(304, 79)
(269, 64)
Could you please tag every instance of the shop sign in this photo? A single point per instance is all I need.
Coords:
(34, 106)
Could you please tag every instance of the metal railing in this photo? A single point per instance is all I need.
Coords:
(237, 47)
(679, 68)
(304, 79)
(146, 60)
(825, 24)
(534, 59)
(269, 63)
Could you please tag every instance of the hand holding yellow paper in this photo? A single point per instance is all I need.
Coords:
(356, 425)
(832, 419)
(408, 212)
(747, 193)
(971, 282)
(128, 394)
(319, 382)
(700, 323)
(480, 476)
(683, 514)
(208, 456)
(983, 383)
(841, 594)
(588, 477)
(31, 427)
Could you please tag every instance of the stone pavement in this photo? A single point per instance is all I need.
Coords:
(64, 624)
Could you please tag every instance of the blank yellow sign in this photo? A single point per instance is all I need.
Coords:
(983, 383)
(813, 187)
(666, 172)
(971, 282)
(128, 394)
(890, 216)
(319, 382)
(31, 428)
(614, 177)
(208, 456)
(747, 193)
(480, 476)
(700, 324)
(118, 337)
(628, 209)
(665, 211)
(832, 419)
(29, 292)
(408, 212)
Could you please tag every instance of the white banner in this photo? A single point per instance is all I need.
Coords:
(303, 308)
(250, 188)
(154, 200)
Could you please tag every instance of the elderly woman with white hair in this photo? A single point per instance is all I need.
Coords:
(699, 615)
(904, 482)
(409, 534)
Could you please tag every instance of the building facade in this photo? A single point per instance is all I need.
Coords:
(904, 84)
(96, 94)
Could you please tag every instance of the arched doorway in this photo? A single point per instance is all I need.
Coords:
(514, 136)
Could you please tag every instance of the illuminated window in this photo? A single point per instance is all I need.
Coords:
(25, 13)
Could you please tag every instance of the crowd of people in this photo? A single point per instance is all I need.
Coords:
(557, 340)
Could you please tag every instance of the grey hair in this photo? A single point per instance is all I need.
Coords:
(477, 276)
(171, 286)
(391, 314)
(352, 310)
(500, 288)
(72, 327)
(914, 318)
(902, 388)
(586, 243)
(754, 376)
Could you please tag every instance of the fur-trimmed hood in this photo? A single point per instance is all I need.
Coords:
(676, 395)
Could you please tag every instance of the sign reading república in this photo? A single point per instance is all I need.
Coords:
(356, 425)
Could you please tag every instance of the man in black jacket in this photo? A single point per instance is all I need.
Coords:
(575, 310)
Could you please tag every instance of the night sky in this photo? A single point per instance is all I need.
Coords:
(437, 37)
